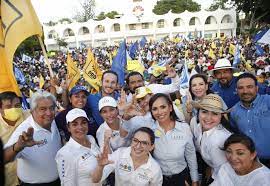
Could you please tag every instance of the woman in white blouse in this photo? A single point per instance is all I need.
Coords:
(77, 159)
(210, 133)
(174, 148)
(243, 167)
(133, 165)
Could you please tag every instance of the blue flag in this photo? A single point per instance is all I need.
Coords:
(143, 42)
(259, 50)
(19, 76)
(25, 104)
(120, 62)
(260, 34)
(184, 77)
(133, 49)
(236, 59)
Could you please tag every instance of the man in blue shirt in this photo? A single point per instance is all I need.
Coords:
(251, 115)
(225, 86)
(109, 82)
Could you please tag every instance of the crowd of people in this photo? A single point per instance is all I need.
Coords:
(152, 131)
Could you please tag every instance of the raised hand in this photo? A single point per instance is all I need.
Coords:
(26, 139)
(188, 103)
(122, 103)
(170, 71)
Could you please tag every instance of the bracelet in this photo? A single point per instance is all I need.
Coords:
(13, 148)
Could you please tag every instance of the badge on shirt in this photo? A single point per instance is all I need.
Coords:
(143, 176)
(158, 133)
(177, 137)
(125, 167)
(43, 142)
(86, 155)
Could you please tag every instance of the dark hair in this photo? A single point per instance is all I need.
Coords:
(240, 138)
(109, 72)
(247, 75)
(133, 73)
(204, 78)
(148, 131)
(8, 95)
(168, 100)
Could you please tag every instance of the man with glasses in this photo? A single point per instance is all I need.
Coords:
(35, 143)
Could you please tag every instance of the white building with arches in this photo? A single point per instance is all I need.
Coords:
(137, 21)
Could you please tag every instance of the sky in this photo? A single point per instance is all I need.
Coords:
(56, 9)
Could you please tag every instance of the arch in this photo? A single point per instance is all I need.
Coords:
(100, 29)
(194, 21)
(210, 20)
(227, 19)
(52, 34)
(116, 27)
(178, 22)
(83, 30)
(161, 23)
(68, 32)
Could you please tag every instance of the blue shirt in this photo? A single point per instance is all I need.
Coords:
(255, 123)
(227, 93)
(92, 103)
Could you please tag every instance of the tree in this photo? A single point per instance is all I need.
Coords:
(101, 16)
(86, 11)
(28, 46)
(65, 20)
(61, 42)
(257, 11)
(110, 15)
(176, 6)
(223, 4)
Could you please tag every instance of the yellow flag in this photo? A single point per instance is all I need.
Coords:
(232, 49)
(73, 72)
(213, 45)
(90, 71)
(221, 51)
(30, 93)
(211, 54)
(135, 65)
(41, 81)
(18, 22)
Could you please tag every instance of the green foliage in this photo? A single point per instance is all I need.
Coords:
(28, 46)
(65, 20)
(51, 23)
(86, 11)
(176, 6)
(61, 42)
(218, 4)
(110, 15)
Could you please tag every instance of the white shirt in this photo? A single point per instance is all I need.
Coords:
(175, 150)
(125, 175)
(115, 141)
(227, 177)
(76, 162)
(36, 164)
(209, 144)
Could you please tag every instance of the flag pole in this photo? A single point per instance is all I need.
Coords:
(45, 56)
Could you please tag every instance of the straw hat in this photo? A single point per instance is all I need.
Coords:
(211, 102)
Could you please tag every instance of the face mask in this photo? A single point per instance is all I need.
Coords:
(12, 114)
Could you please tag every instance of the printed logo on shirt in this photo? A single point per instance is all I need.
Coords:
(125, 167)
(43, 142)
(115, 133)
(158, 133)
(86, 155)
(177, 137)
(143, 176)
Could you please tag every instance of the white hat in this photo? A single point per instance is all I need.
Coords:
(74, 114)
(223, 63)
(106, 101)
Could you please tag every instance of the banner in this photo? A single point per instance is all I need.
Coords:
(73, 72)
(18, 22)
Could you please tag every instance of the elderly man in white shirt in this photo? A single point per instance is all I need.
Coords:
(35, 143)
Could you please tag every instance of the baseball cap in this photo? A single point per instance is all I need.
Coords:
(74, 114)
(141, 92)
(77, 89)
(106, 101)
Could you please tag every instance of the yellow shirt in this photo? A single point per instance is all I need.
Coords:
(5, 133)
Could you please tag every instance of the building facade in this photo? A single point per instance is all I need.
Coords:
(138, 20)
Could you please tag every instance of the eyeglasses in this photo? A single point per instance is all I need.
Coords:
(135, 141)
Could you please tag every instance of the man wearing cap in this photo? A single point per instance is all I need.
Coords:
(109, 82)
(251, 115)
(35, 143)
(225, 86)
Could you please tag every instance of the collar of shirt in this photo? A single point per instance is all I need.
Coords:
(212, 130)
(176, 127)
(253, 104)
(37, 127)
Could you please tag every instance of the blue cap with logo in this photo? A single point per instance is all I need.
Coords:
(77, 89)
